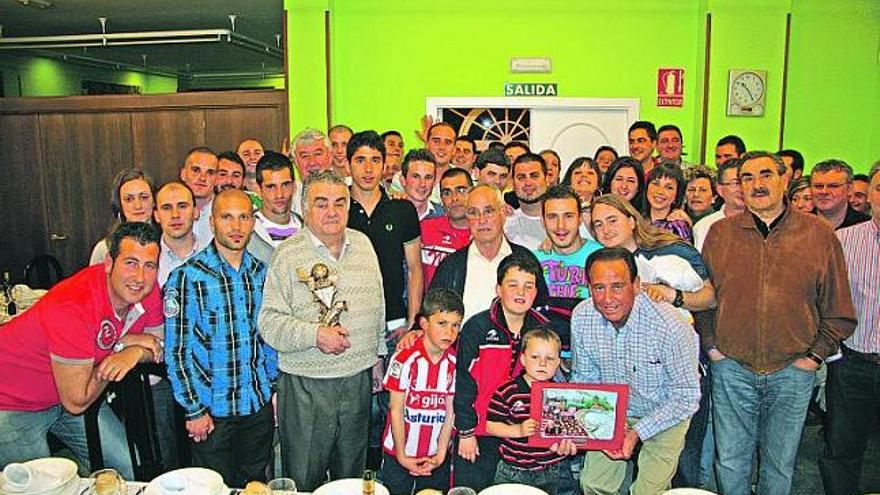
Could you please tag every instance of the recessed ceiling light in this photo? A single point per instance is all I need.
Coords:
(37, 4)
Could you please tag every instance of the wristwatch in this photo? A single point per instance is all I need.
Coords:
(679, 299)
(119, 346)
(812, 356)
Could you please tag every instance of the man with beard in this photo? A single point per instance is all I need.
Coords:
(230, 172)
(275, 221)
(782, 309)
(563, 263)
(525, 226)
(444, 235)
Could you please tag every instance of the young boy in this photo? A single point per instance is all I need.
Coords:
(508, 418)
(488, 356)
(421, 382)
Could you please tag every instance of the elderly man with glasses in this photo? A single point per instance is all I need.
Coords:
(470, 271)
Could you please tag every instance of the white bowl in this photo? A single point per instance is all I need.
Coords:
(188, 481)
(512, 489)
(348, 486)
(61, 468)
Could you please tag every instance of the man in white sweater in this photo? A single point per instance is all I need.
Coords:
(325, 381)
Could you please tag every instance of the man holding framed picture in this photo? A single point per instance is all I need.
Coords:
(621, 336)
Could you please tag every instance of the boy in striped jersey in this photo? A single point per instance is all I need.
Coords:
(508, 418)
(421, 382)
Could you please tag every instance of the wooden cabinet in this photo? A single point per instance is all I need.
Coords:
(58, 157)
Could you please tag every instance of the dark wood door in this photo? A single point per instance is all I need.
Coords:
(58, 157)
(161, 139)
(229, 126)
(81, 155)
(24, 230)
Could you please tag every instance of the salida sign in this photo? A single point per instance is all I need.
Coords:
(530, 89)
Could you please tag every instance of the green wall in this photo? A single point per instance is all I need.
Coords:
(40, 76)
(273, 82)
(387, 56)
(834, 83)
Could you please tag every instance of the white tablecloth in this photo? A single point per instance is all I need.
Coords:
(135, 487)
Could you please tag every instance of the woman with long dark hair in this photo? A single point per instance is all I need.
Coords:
(626, 178)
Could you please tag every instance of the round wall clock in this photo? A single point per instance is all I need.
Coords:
(746, 92)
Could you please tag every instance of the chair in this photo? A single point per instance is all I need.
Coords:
(42, 272)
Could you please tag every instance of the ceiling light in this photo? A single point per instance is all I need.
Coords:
(37, 4)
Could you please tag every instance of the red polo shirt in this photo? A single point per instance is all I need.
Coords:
(74, 323)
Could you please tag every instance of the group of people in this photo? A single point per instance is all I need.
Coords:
(308, 296)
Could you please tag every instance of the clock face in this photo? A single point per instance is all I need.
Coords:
(747, 89)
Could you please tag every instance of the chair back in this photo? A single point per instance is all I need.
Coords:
(42, 272)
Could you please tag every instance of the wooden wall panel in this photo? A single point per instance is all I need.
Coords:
(226, 127)
(161, 139)
(81, 155)
(23, 233)
(58, 157)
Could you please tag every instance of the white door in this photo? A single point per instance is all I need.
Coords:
(572, 127)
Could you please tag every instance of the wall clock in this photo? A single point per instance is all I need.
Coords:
(746, 92)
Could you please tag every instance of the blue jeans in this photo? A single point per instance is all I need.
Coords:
(763, 411)
(689, 472)
(23, 437)
(546, 479)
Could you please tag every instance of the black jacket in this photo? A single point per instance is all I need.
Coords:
(452, 272)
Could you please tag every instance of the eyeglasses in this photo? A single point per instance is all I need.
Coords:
(476, 214)
(831, 186)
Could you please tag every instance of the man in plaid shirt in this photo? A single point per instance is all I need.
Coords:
(621, 336)
(220, 369)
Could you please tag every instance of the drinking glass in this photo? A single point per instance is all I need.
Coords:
(282, 486)
(107, 482)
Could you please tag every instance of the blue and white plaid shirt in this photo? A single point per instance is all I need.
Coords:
(217, 361)
(655, 352)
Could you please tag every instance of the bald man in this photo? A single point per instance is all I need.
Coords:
(220, 369)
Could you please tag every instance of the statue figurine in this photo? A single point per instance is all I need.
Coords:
(321, 281)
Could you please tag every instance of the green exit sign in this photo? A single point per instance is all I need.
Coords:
(530, 89)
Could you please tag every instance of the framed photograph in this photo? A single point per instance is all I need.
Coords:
(592, 416)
